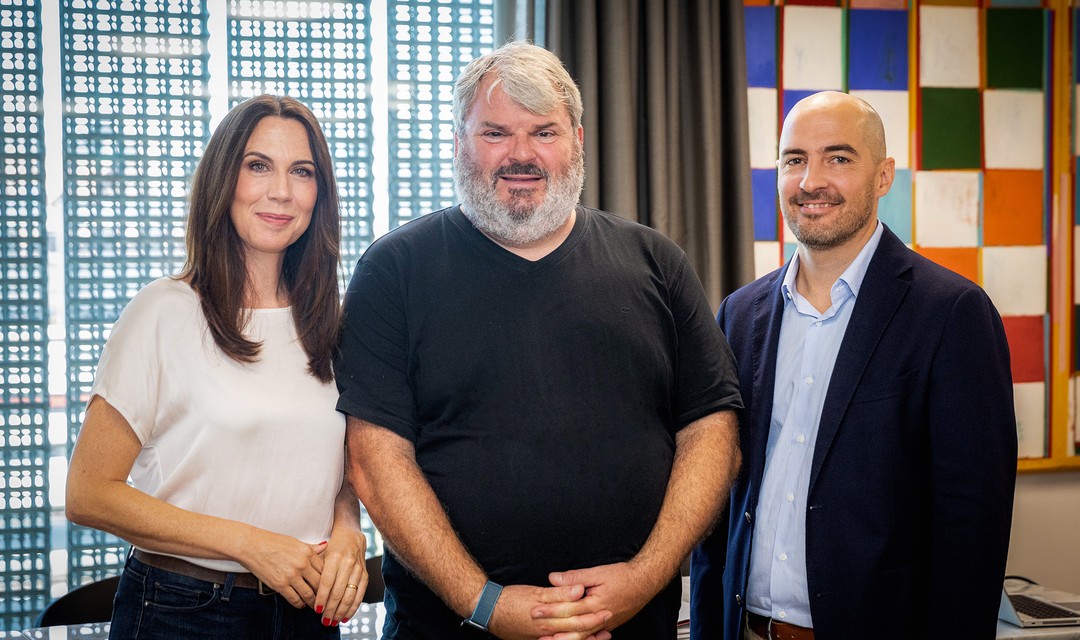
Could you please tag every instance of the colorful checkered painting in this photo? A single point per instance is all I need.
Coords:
(963, 90)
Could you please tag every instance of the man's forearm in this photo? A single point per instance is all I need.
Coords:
(384, 475)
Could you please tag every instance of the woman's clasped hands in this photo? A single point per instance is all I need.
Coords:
(330, 576)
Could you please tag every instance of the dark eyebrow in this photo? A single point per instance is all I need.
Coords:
(841, 147)
(263, 156)
(832, 148)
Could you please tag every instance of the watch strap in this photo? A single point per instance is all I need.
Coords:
(481, 615)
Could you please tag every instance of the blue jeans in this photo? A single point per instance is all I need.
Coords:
(161, 605)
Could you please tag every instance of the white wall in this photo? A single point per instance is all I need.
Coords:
(1046, 529)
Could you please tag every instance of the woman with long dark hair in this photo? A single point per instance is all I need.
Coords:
(215, 395)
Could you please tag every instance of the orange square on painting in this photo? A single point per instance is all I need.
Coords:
(1026, 351)
(962, 260)
(1012, 207)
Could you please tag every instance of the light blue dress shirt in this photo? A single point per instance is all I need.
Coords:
(809, 342)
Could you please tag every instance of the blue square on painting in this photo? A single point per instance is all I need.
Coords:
(877, 49)
(763, 191)
(760, 26)
(894, 209)
(792, 96)
(1076, 67)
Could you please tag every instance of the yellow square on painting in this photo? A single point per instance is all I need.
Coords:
(1012, 207)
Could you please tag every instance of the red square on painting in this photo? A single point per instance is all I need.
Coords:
(1026, 336)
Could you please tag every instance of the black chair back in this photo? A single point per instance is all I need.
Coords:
(89, 603)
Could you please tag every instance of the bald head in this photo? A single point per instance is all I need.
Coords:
(856, 112)
(831, 172)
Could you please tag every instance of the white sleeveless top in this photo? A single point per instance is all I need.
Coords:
(260, 443)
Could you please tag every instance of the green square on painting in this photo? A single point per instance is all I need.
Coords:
(1015, 52)
(951, 129)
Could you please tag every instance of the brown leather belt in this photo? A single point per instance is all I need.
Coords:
(773, 629)
(191, 570)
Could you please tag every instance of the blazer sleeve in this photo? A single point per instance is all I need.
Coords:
(972, 430)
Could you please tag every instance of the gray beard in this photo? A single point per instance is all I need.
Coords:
(520, 223)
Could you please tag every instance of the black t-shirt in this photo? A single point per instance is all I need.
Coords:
(542, 397)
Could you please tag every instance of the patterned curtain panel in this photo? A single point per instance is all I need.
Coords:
(430, 43)
(136, 116)
(24, 400)
(318, 53)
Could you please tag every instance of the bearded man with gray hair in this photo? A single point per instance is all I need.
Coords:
(540, 406)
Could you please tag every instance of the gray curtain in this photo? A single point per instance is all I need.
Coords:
(666, 142)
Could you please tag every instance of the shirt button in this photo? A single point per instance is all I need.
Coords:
(809, 379)
(801, 439)
(818, 323)
(783, 557)
(782, 614)
(791, 497)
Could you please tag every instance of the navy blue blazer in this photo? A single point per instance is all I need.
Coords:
(912, 478)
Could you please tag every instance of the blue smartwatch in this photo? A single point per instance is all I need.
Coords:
(481, 615)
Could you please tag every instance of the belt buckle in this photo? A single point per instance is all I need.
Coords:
(267, 592)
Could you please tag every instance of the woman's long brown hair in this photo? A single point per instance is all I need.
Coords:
(215, 253)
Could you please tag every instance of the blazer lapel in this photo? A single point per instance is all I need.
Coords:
(880, 295)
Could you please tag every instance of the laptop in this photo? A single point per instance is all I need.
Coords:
(1030, 610)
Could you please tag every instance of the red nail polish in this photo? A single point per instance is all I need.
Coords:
(335, 623)
(344, 620)
(326, 622)
(318, 608)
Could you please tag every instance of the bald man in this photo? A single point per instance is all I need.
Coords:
(878, 439)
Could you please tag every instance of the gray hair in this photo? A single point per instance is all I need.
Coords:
(520, 68)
